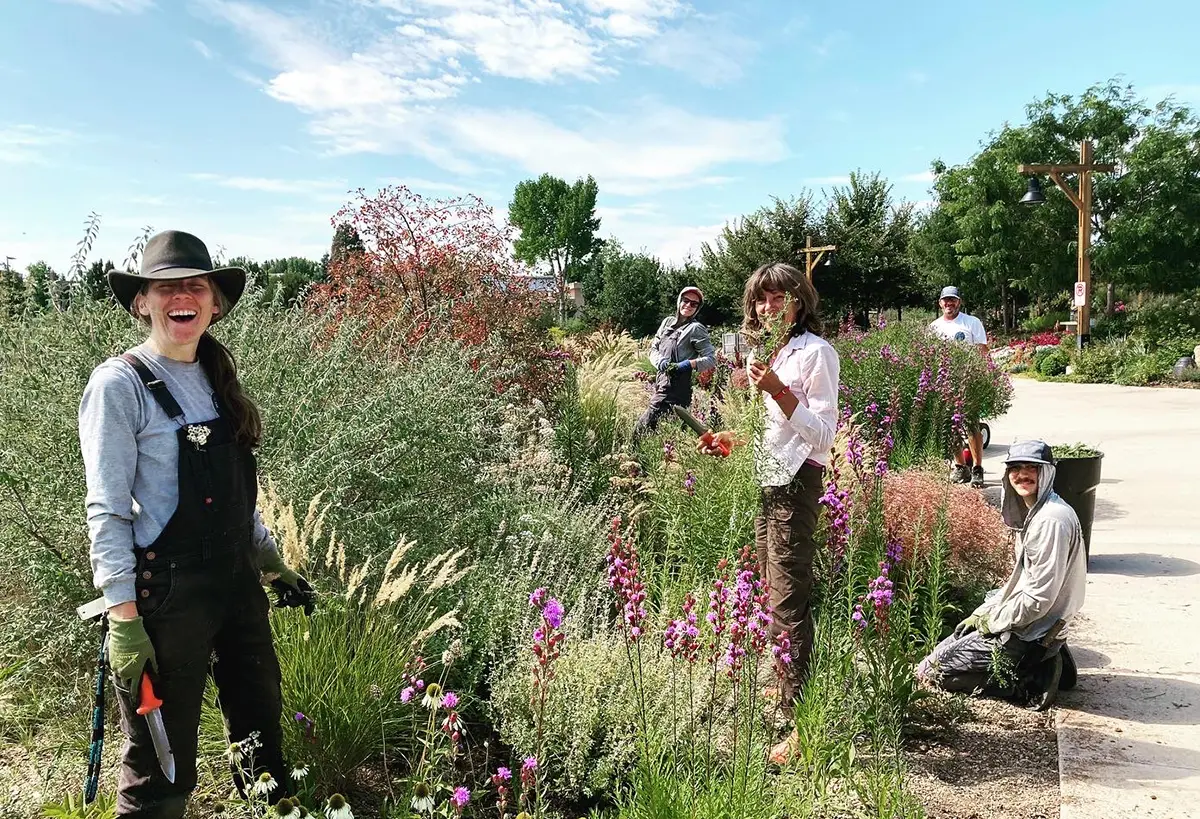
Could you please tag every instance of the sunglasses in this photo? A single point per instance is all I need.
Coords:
(692, 302)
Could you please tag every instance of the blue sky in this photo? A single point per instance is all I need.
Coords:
(247, 121)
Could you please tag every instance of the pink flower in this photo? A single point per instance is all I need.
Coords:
(449, 700)
(460, 798)
(553, 612)
(537, 598)
(407, 694)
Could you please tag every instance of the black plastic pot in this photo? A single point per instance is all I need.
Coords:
(1075, 482)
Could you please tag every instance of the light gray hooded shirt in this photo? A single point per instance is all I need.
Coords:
(1049, 579)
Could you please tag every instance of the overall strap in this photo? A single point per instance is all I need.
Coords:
(157, 388)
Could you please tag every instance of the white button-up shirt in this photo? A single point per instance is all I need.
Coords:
(810, 367)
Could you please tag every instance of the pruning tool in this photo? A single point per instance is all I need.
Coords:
(705, 432)
(148, 706)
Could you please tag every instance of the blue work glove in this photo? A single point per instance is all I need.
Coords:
(684, 367)
(663, 365)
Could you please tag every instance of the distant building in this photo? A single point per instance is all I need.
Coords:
(549, 287)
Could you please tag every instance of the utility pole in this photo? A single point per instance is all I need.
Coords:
(812, 256)
(1082, 200)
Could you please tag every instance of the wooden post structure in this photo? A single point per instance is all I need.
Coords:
(1082, 200)
(811, 260)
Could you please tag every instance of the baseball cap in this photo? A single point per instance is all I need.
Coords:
(1030, 452)
(949, 293)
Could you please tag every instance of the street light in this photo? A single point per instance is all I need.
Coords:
(811, 260)
(1034, 195)
(1082, 200)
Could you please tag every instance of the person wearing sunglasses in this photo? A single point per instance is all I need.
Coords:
(680, 347)
(1018, 635)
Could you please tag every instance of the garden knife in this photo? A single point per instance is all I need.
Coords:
(149, 706)
(705, 432)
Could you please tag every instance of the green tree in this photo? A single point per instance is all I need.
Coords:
(558, 225)
(94, 283)
(872, 233)
(291, 277)
(1145, 220)
(346, 243)
(39, 281)
(775, 233)
(12, 292)
(630, 292)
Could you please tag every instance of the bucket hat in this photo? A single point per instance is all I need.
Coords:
(173, 254)
(1030, 452)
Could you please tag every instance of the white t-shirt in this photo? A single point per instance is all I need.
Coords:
(962, 328)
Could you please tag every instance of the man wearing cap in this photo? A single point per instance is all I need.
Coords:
(955, 325)
(680, 347)
(1035, 606)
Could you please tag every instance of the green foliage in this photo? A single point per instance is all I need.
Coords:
(1054, 362)
(558, 225)
(40, 281)
(629, 291)
(94, 284)
(105, 807)
(872, 233)
(774, 233)
(1168, 319)
(1045, 321)
(1077, 450)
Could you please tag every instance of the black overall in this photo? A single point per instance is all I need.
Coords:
(204, 609)
(670, 389)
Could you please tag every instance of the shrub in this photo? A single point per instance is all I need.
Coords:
(1046, 321)
(977, 536)
(927, 384)
(1164, 319)
(1098, 361)
(1062, 451)
(1054, 363)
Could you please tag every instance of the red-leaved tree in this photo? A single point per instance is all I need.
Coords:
(446, 268)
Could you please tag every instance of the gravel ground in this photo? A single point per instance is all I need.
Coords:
(984, 759)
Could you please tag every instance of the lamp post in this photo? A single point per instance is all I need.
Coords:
(812, 256)
(1082, 200)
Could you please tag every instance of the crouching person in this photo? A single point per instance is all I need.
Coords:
(1016, 639)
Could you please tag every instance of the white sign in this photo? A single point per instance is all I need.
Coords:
(1080, 294)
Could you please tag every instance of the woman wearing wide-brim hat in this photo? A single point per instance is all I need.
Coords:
(178, 548)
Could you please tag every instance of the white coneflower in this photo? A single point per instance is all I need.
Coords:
(422, 801)
(235, 754)
(338, 808)
(299, 771)
(265, 784)
(433, 696)
(286, 808)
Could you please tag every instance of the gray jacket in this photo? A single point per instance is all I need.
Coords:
(1049, 579)
(693, 344)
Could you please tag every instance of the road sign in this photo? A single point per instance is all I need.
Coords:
(1081, 294)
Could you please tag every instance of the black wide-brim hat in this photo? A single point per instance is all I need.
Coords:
(173, 254)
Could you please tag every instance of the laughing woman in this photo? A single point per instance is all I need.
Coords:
(177, 544)
(798, 383)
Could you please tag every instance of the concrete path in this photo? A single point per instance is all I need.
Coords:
(1129, 734)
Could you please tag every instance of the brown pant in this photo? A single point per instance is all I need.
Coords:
(783, 535)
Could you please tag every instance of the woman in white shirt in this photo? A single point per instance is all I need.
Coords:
(799, 385)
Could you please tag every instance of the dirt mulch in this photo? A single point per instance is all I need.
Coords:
(984, 759)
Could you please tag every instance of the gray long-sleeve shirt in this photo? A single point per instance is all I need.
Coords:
(694, 343)
(131, 462)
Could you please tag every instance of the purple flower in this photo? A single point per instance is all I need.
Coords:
(530, 764)
(689, 484)
(858, 617)
(503, 774)
(537, 598)
(553, 612)
(407, 694)
(449, 700)
(461, 797)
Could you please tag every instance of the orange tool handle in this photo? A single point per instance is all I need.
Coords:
(148, 701)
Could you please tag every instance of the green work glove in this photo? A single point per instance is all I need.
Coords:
(129, 650)
(976, 622)
(290, 588)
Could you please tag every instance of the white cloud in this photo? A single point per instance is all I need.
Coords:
(1181, 92)
(392, 90)
(27, 143)
(640, 228)
(923, 176)
(204, 50)
(708, 53)
(114, 6)
(332, 189)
